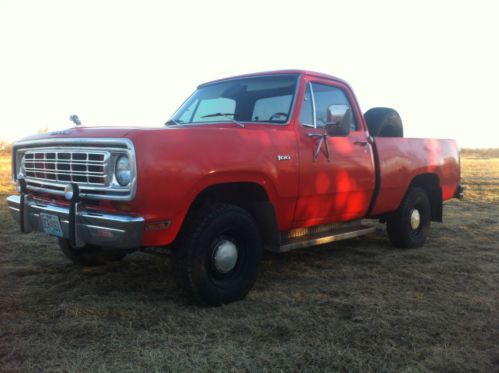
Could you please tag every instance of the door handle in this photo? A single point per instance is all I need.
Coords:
(361, 143)
(322, 140)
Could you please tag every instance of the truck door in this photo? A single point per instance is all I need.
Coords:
(337, 174)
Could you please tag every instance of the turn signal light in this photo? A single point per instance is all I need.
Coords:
(123, 206)
(157, 225)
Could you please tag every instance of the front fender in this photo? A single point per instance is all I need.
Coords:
(175, 166)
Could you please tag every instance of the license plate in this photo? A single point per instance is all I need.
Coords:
(51, 224)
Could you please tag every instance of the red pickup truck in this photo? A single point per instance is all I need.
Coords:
(277, 161)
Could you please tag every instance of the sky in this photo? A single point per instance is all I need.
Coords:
(134, 62)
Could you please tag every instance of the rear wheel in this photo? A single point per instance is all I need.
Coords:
(218, 254)
(408, 227)
(90, 255)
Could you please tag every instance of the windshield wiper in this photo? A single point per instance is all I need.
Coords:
(227, 115)
(173, 121)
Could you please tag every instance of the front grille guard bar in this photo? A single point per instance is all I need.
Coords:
(23, 221)
(73, 210)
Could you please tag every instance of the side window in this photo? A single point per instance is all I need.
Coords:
(214, 106)
(306, 114)
(324, 96)
(272, 109)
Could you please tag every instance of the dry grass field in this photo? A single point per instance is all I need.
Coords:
(358, 305)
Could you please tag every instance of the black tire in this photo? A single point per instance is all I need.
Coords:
(401, 232)
(202, 236)
(90, 255)
(384, 122)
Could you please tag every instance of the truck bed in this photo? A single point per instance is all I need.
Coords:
(399, 160)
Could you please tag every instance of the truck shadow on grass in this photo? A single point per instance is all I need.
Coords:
(150, 277)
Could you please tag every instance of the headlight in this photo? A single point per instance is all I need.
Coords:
(122, 170)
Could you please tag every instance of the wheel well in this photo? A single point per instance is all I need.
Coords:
(249, 196)
(431, 185)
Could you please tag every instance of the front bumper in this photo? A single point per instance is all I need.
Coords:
(94, 228)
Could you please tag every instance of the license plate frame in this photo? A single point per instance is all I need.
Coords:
(51, 224)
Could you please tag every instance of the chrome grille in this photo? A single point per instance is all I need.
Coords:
(54, 165)
(49, 165)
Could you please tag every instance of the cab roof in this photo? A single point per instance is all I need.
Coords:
(278, 72)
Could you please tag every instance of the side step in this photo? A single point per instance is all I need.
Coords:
(323, 234)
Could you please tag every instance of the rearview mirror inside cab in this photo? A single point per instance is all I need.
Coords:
(339, 118)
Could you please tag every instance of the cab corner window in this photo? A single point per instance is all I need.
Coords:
(306, 114)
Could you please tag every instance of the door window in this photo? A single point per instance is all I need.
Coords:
(321, 97)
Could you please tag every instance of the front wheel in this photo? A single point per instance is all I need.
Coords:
(409, 225)
(218, 254)
(90, 255)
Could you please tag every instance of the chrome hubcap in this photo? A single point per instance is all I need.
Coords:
(415, 219)
(225, 256)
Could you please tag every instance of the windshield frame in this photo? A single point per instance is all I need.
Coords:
(292, 108)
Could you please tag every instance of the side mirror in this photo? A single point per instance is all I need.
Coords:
(339, 118)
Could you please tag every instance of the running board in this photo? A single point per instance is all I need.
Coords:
(300, 242)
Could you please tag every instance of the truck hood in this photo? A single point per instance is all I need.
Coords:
(86, 132)
(123, 132)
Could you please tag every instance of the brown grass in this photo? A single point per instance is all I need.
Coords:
(480, 153)
(357, 305)
(5, 148)
(6, 185)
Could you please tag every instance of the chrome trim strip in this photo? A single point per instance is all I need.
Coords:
(85, 187)
(104, 228)
(110, 217)
(76, 141)
(15, 209)
(312, 96)
(326, 239)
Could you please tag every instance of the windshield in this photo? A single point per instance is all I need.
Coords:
(263, 99)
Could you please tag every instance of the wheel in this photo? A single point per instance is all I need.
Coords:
(90, 255)
(218, 254)
(384, 122)
(409, 225)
